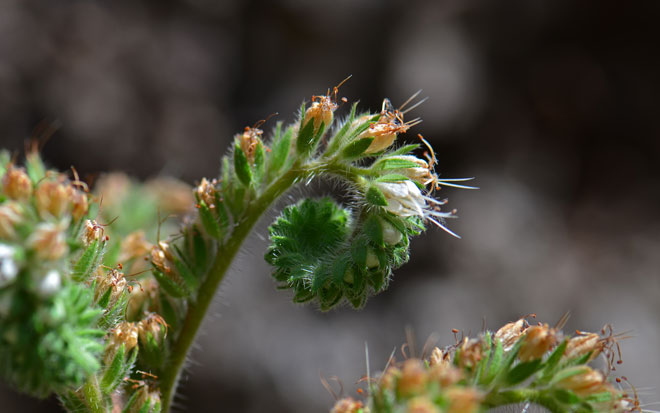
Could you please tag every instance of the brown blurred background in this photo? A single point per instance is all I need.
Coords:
(552, 105)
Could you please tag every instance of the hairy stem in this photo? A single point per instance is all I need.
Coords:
(198, 306)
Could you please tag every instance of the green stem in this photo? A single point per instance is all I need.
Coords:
(539, 397)
(225, 255)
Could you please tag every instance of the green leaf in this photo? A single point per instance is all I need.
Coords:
(404, 150)
(88, 261)
(566, 396)
(242, 166)
(374, 196)
(393, 163)
(550, 365)
(523, 371)
(392, 178)
(169, 286)
(209, 221)
(338, 139)
(305, 139)
(259, 163)
(373, 229)
(495, 362)
(281, 149)
(114, 373)
(355, 149)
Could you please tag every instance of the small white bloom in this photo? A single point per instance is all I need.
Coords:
(405, 199)
(50, 283)
(8, 267)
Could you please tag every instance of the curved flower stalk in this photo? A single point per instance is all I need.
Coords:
(518, 363)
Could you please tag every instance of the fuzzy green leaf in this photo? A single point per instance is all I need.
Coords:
(281, 150)
(242, 166)
(523, 371)
(374, 196)
(357, 148)
(305, 139)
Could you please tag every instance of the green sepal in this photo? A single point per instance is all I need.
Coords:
(35, 167)
(209, 221)
(355, 149)
(599, 397)
(566, 396)
(392, 178)
(259, 163)
(168, 312)
(93, 397)
(242, 166)
(114, 373)
(373, 229)
(404, 150)
(71, 402)
(305, 138)
(384, 164)
(523, 371)
(374, 196)
(89, 261)
(338, 139)
(281, 149)
(113, 314)
(495, 362)
(151, 351)
(552, 362)
(169, 286)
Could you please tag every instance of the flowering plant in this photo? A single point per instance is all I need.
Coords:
(98, 309)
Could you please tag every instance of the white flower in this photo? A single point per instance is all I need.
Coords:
(8, 267)
(50, 283)
(405, 199)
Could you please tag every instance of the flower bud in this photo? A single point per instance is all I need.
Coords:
(125, 333)
(463, 400)
(348, 405)
(153, 325)
(50, 283)
(413, 378)
(172, 195)
(145, 400)
(420, 173)
(48, 240)
(134, 245)
(583, 344)
(80, 204)
(16, 184)
(538, 340)
(10, 216)
(53, 198)
(391, 235)
(91, 232)
(206, 191)
(248, 141)
(162, 257)
(321, 111)
(583, 381)
(109, 286)
(510, 333)
(421, 405)
(471, 352)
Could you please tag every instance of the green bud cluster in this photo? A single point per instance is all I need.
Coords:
(517, 364)
(49, 335)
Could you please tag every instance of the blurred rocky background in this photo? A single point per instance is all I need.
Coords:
(552, 105)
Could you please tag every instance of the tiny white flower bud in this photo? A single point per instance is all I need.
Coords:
(51, 282)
